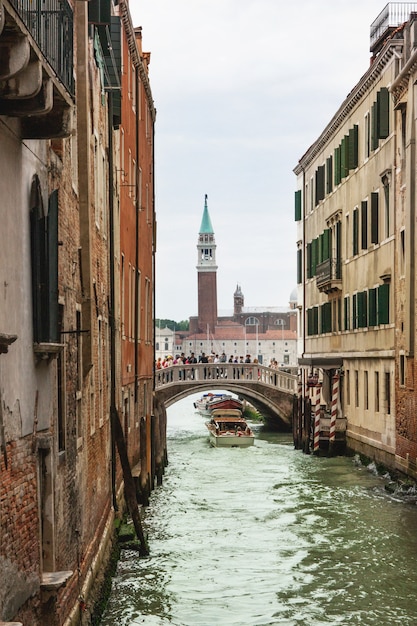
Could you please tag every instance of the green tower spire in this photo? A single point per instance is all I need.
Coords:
(206, 226)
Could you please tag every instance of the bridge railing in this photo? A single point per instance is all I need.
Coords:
(232, 373)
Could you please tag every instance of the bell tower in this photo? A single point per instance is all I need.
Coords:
(207, 274)
(238, 300)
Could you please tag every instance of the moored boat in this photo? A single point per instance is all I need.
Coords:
(225, 403)
(227, 429)
(202, 404)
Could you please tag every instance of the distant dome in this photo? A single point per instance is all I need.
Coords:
(294, 295)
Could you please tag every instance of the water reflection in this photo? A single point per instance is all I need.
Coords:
(266, 535)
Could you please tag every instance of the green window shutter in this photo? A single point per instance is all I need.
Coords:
(99, 11)
(299, 267)
(362, 309)
(355, 310)
(344, 157)
(326, 244)
(326, 317)
(337, 177)
(372, 317)
(339, 314)
(338, 250)
(309, 322)
(383, 113)
(347, 312)
(309, 261)
(353, 147)
(314, 255)
(297, 202)
(329, 174)
(374, 217)
(364, 224)
(53, 308)
(383, 303)
(374, 127)
(316, 320)
(355, 240)
(320, 180)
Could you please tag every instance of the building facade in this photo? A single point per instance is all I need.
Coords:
(351, 207)
(60, 315)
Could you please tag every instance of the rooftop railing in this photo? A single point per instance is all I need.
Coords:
(51, 24)
(392, 15)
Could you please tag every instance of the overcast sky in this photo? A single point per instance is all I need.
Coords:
(242, 88)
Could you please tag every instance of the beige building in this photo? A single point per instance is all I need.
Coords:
(348, 196)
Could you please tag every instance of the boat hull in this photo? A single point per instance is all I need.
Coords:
(231, 441)
(228, 429)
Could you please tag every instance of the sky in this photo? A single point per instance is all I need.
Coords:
(242, 88)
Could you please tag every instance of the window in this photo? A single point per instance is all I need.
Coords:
(356, 388)
(372, 307)
(353, 147)
(383, 303)
(387, 393)
(365, 390)
(374, 217)
(347, 312)
(299, 266)
(297, 203)
(376, 392)
(355, 232)
(402, 370)
(364, 224)
(367, 135)
(348, 387)
(387, 221)
(44, 253)
(320, 184)
(329, 174)
(326, 317)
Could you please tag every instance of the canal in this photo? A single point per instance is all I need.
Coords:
(267, 536)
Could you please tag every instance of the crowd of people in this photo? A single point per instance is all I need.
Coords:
(181, 359)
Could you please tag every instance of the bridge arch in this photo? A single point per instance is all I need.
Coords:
(271, 392)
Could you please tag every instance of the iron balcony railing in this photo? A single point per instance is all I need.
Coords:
(51, 24)
(392, 15)
(328, 271)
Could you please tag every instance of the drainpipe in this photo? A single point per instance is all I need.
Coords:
(113, 408)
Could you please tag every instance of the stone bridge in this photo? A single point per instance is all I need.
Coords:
(272, 392)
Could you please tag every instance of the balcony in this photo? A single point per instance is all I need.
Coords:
(329, 276)
(36, 66)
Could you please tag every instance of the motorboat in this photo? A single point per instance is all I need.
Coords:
(202, 404)
(227, 429)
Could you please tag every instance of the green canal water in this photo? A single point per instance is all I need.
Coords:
(267, 536)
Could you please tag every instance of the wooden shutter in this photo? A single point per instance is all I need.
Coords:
(353, 147)
(344, 157)
(372, 309)
(53, 316)
(320, 180)
(299, 267)
(383, 303)
(99, 11)
(347, 312)
(338, 250)
(297, 202)
(374, 127)
(329, 174)
(309, 260)
(355, 241)
(337, 177)
(364, 224)
(374, 217)
(383, 113)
